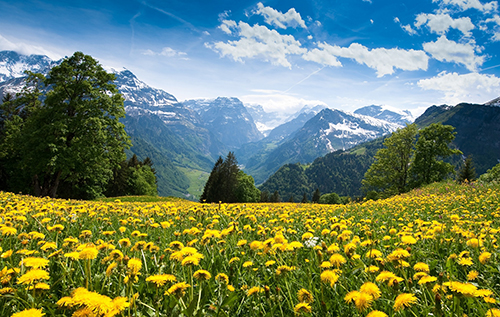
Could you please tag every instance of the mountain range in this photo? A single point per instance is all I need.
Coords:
(184, 138)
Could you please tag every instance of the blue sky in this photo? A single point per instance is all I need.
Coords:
(280, 54)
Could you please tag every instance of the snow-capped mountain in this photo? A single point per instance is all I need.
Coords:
(264, 120)
(13, 65)
(228, 119)
(327, 131)
(495, 102)
(386, 113)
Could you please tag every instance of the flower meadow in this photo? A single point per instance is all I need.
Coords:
(430, 252)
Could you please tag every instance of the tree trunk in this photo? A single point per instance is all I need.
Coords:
(49, 187)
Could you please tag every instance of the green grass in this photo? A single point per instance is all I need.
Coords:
(197, 180)
(142, 199)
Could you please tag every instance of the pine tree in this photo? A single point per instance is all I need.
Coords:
(211, 186)
(304, 199)
(264, 196)
(467, 172)
(316, 196)
(275, 198)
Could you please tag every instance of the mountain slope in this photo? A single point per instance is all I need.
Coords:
(478, 134)
(154, 118)
(227, 119)
(477, 127)
(327, 131)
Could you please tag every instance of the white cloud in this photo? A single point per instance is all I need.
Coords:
(471, 4)
(381, 59)
(227, 25)
(496, 33)
(441, 23)
(282, 20)
(463, 88)
(166, 51)
(445, 50)
(259, 41)
(276, 101)
(322, 56)
(407, 27)
(27, 49)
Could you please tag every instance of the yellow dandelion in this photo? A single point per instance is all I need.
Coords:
(223, 278)
(134, 265)
(32, 312)
(363, 301)
(88, 253)
(202, 275)
(472, 275)
(421, 267)
(33, 262)
(337, 259)
(110, 268)
(404, 300)
(248, 264)
(190, 260)
(254, 290)
(372, 269)
(484, 257)
(178, 289)
(376, 313)
(161, 279)
(302, 308)
(493, 312)
(305, 296)
(33, 276)
(371, 289)
(427, 279)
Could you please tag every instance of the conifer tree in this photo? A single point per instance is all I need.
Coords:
(316, 196)
(467, 172)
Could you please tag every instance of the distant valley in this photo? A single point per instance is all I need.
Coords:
(184, 139)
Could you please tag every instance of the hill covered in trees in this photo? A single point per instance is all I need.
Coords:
(477, 130)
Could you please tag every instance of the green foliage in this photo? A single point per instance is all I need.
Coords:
(133, 177)
(246, 192)
(170, 180)
(68, 131)
(264, 196)
(316, 196)
(227, 183)
(275, 197)
(331, 198)
(477, 130)
(404, 164)
(492, 175)
(431, 148)
(143, 181)
(467, 172)
(390, 171)
(289, 180)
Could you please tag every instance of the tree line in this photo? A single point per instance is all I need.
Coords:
(61, 135)
(411, 158)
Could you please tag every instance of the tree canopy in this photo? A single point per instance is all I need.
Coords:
(227, 183)
(390, 171)
(64, 129)
(406, 162)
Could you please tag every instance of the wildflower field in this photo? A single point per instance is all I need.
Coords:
(431, 252)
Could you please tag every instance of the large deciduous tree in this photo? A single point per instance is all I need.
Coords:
(432, 146)
(71, 133)
(390, 171)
